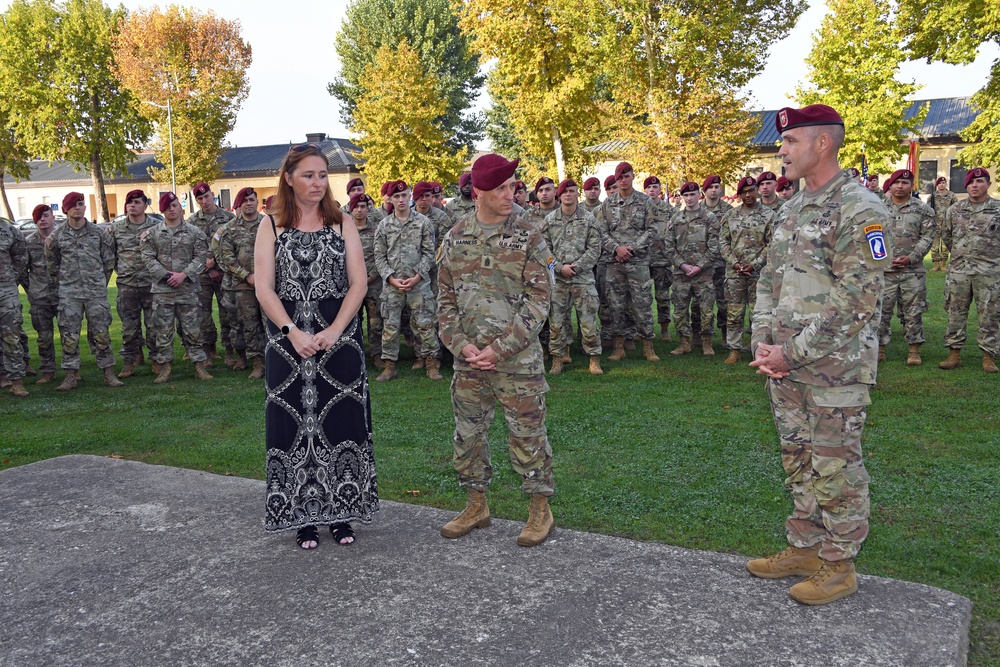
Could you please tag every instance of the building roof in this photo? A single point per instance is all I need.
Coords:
(241, 161)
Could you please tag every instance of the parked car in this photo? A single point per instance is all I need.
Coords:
(26, 225)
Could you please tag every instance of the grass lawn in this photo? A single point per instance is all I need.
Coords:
(682, 451)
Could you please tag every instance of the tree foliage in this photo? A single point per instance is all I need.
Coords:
(952, 31)
(63, 101)
(853, 67)
(13, 158)
(201, 69)
(400, 125)
(431, 29)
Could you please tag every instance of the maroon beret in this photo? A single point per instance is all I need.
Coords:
(783, 183)
(491, 171)
(814, 114)
(650, 180)
(135, 194)
(199, 190)
(544, 180)
(623, 167)
(420, 188)
(39, 211)
(710, 181)
(592, 182)
(464, 179)
(385, 188)
(690, 186)
(354, 182)
(941, 179)
(520, 185)
(745, 182)
(569, 182)
(268, 202)
(766, 176)
(854, 172)
(896, 175)
(241, 195)
(978, 172)
(609, 181)
(436, 188)
(396, 186)
(356, 198)
(166, 199)
(74, 198)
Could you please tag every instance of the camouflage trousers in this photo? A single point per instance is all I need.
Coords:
(741, 292)
(960, 289)
(565, 297)
(373, 318)
(718, 274)
(187, 313)
(701, 290)
(474, 395)
(212, 287)
(43, 321)
(939, 251)
(663, 278)
(604, 310)
(908, 290)
(820, 430)
(98, 312)
(246, 331)
(422, 312)
(11, 333)
(135, 304)
(630, 280)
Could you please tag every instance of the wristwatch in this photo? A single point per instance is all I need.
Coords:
(285, 330)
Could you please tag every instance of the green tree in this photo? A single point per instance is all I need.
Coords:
(13, 158)
(63, 101)
(952, 31)
(201, 71)
(431, 28)
(399, 125)
(852, 68)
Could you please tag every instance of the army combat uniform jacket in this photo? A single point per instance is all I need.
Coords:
(693, 238)
(573, 239)
(129, 266)
(43, 287)
(912, 227)
(630, 222)
(972, 234)
(404, 249)
(82, 261)
(234, 251)
(13, 258)
(744, 236)
(175, 249)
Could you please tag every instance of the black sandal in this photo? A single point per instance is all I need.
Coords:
(342, 531)
(307, 534)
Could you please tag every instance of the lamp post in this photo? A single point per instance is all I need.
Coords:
(170, 137)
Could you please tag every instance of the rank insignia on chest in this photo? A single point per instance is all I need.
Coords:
(487, 262)
(876, 241)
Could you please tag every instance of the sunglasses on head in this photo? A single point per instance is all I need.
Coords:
(303, 148)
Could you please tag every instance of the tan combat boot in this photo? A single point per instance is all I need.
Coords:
(164, 373)
(835, 580)
(433, 367)
(241, 360)
(647, 350)
(388, 373)
(230, 359)
(733, 358)
(258, 368)
(684, 347)
(110, 380)
(881, 353)
(212, 353)
(706, 347)
(618, 353)
(989, 363)
(70, 381)
(45, 378)
(595, 365)
(418, 364)
(29, 371)
(156, 367)
(913, 359)
(566, 359)
(665, 335)
(377, 362)
(200, 372)
(557, 365)
(792, 562)
(17, 388)
(475, 515)
(128, 370)
(540, 522)
(953, 361)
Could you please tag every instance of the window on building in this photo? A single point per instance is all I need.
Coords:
(956, 181)
(928, 174)
(225, 199)
(22, 207)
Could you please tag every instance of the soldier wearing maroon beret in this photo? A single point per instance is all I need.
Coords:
(767, 184)
(591, 195)
(359, 209)
(714, 203)
(545, 191)
(462, 205)
(441, 223)
(940, 200)
(785, 188)
(438, 193)
(604, 312)
(659, 265)
(208, 219)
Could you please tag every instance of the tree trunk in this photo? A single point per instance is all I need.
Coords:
(558, 149)
(97, 176)
(3, 195)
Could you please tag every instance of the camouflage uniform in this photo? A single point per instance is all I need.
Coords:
(135, 301)
(718, 269)
(43, 300)
(573, 239)
(912, 230)
(183, 249)
(693, 238)
(494, 287)
(234, 255)
(972, 234)
(825, 317)
(372, 302)
(940, 202)
(402, 250)
(659, 266)
(13, 263)
(440, 224)
(774, 206)
(211, 282)
(228, 300)
(82, 261)
(743, 238)
(630, 222)
(459, 207)
(535, 215)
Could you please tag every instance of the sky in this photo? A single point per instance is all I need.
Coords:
(294, 59)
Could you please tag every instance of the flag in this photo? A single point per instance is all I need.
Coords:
(864, 167)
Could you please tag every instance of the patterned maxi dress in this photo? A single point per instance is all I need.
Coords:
(318, 428)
